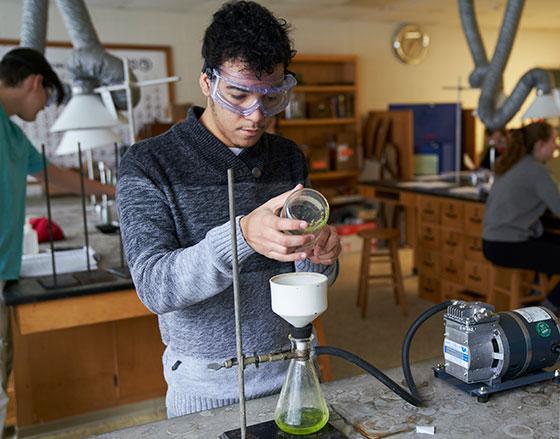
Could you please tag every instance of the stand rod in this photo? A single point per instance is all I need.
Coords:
(83, 196)
(238, 339)
(49, 216)
(116, 179)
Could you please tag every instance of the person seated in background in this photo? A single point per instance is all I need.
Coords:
(496, 143)
(523, 189)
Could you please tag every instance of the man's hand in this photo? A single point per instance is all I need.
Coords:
(264, 231)
(327, 247)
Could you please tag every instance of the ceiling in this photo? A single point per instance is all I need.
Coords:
(537, 14)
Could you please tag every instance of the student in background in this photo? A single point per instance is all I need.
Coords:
(27, 85)
(496, 143)
(523, 189)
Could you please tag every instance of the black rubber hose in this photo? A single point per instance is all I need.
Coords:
(408, 341)
(371, 369)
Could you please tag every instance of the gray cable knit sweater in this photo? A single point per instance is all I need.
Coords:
(173, 205)
(517, 200)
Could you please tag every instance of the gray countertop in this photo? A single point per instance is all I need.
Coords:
(363, 404)
(67, 213)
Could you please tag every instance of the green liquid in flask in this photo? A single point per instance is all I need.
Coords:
(310, 420)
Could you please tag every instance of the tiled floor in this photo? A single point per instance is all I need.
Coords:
(377, 339)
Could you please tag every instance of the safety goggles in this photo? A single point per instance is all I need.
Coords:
(245, 100)
(52, 95)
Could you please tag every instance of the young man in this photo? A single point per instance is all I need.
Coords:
(173, 204)
(27, 85)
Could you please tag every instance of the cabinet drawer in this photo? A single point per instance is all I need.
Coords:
(452, 268)
(452, 214)
(451, 290)
(429, 208)
(429, 236)
(452, 243)
(429, 289)
(474, 214)
(477, 276)
(473, 248)
(428, 262)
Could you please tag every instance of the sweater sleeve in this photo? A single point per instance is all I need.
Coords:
(168, 277)
(547, 190)
(331, 271)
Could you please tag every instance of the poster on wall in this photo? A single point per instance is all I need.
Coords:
(147, 62)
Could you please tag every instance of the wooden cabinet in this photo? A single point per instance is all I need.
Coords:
(81, 354)
(450, 260)
(323, 117)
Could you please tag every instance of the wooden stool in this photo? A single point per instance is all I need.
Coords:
(323, 360)
(392, 237)
(517, 285)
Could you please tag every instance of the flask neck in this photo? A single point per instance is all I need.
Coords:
(301, 347)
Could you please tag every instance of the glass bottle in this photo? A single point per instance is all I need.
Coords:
(308, 205)
(301, 407)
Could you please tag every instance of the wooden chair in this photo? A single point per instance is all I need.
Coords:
(371, 258)
(517, 285)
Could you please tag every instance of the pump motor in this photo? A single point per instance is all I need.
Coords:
(482, 346)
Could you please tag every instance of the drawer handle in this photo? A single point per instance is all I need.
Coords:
(475, 220)
(451, 243)
(429, 211)
(451, 215)
(450, 270)
(428, 237)
(428, 264)
(475, 248)
(429, 290)
(475, 278)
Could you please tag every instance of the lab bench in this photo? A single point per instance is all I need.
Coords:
(81, 349)
(361, 407)
(444, 227)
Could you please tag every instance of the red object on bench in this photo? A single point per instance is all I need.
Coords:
(41, 225)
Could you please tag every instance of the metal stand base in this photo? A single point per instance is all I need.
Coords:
(60, 281)
(269, 430)
(483, 391)
(93, 277)
(123, 272)
(107, 228)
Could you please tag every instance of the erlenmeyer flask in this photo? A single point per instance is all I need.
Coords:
(301, 408)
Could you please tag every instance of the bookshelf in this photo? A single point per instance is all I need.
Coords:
(323, 119)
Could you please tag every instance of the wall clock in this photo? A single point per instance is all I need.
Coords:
(410, 43)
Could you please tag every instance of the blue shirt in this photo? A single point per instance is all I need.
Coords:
(18, 157)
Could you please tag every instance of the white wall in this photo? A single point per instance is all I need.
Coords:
(383, 79)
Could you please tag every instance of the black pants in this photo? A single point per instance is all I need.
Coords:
(540, 254)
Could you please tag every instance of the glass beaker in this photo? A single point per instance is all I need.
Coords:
(307, 205)
(301, 407)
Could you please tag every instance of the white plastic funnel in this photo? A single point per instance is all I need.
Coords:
(299, 298)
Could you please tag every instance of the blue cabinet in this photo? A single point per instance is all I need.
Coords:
(434, 136)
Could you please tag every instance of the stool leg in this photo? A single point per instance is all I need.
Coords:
(491, 296)
(515, 290)
(364, 269)
(323, 360)
(398, 289)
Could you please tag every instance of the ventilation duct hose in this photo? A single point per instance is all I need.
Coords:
(489, 76)
(34, 24)
(90, 64)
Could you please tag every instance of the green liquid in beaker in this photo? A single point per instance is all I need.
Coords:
(310, 420)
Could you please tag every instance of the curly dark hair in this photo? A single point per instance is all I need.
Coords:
(19, 63)
(250, 33)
